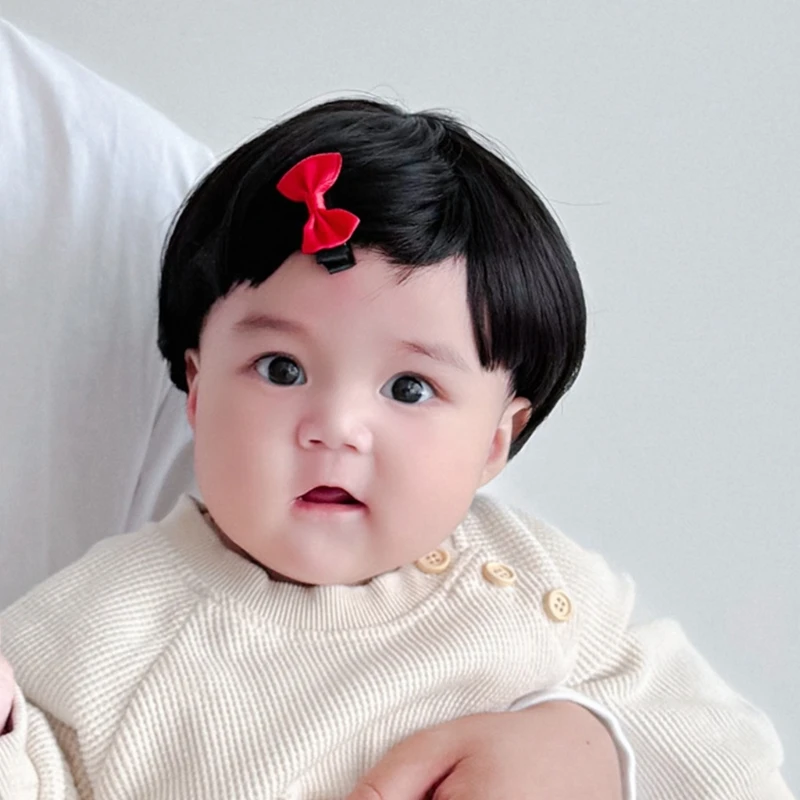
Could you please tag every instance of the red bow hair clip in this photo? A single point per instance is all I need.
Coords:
(328, 229)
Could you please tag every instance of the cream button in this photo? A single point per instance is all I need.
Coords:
(557, 605)
(436, 562)
(499, 574)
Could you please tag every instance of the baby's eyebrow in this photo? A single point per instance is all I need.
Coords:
(442, 353)
(438, 352)
(264, 322)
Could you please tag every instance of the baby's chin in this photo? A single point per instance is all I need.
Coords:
(310, 577)
(321, 574)
(302, 577)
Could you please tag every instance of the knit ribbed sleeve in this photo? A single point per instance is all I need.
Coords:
(693, 736)
(32, 765)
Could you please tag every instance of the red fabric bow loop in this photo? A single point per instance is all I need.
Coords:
(306, 182)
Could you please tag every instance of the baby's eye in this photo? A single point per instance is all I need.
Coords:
(280, 370)
(408, 389)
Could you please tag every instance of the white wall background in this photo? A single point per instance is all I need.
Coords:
(666, 137)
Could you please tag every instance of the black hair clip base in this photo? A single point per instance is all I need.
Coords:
(337, 259)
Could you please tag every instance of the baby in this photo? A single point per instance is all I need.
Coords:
(370, 313)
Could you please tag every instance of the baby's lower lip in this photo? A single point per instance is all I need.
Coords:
(327, 509)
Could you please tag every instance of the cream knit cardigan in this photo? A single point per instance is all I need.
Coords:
(163, 666)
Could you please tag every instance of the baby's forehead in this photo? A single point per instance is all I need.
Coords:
(375, 305)
(374, 292)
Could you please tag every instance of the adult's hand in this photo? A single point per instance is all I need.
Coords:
(554, 751)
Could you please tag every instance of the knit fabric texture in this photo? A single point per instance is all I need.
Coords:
(163, 666)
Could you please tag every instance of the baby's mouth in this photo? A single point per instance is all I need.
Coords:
(330, 494)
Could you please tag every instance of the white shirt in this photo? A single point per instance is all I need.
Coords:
(92, 436)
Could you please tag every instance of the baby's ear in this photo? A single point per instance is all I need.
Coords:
(520, 418)
(514, 419)
(192, 361)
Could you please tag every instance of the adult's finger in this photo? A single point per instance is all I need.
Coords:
(411, 768)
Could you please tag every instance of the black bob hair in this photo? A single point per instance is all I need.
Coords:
(425, 190)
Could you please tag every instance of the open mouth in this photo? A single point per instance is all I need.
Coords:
(330, 495)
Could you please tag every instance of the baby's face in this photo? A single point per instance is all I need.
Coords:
(353, 382)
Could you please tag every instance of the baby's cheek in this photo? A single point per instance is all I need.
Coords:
(457, 460)
(441, 485)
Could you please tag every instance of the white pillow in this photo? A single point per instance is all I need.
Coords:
(93, 439)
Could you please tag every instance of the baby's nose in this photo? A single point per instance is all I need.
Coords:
(335, 429)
